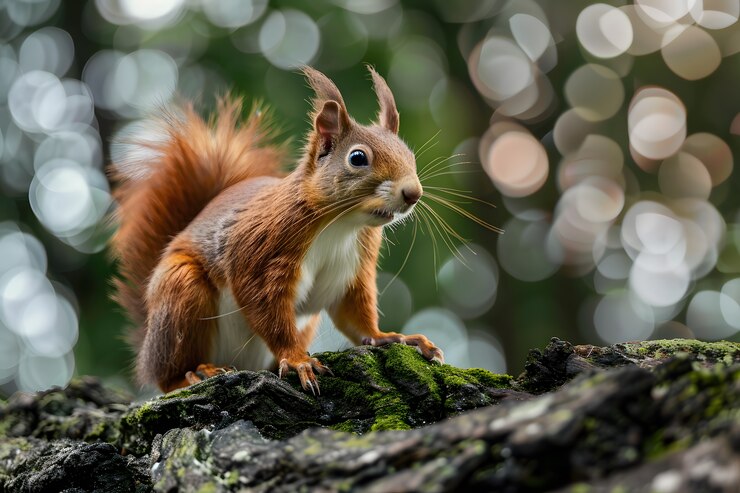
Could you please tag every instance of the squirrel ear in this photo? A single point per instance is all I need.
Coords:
(325, 91)
(328, 125)
(388, 114)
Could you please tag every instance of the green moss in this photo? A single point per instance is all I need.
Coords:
(208, 488)
(373, 390)
(363, 441)
(454, 378)
(390, 422)
(178, 394)
(10, 446)
(655, 446)
(231, 478)
(580, 488)
(347, 426)
(105, 430)
(5, 425)
(405, 362)
(143, 414)
(401, 390)
(313, 447)
(725, 351)
(485, 377)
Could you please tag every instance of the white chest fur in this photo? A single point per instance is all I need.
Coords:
(328, 268)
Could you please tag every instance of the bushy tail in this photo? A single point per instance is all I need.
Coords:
(167, 170)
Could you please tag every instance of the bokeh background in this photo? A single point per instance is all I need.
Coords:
(604, 133)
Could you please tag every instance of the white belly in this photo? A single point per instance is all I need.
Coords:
(236, 344)
(328, 268)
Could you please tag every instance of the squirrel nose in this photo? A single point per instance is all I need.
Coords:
(411, 195)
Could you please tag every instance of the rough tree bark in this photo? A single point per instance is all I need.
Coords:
(658, 416)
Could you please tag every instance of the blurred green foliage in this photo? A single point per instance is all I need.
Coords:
(450, 118)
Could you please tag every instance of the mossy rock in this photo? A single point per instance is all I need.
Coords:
(389, 420)
(371, 389)
(546, 370)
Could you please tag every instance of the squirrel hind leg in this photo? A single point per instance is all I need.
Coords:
(178, 331)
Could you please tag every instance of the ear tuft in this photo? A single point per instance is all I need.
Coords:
(328, 106)
(388, 115)
(323, 86)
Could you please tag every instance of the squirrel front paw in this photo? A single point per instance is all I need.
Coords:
(304, 366)
(422, 344)
(206, 370)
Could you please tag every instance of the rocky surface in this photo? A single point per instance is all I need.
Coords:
(655, 416)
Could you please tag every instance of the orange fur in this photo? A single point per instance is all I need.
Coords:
(206, 210)
(192, 166)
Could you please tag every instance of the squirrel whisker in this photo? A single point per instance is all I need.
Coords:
(464, 213)
(434, 165)
(421, 150)
(403, 264)
(445, 231)
(425, 221)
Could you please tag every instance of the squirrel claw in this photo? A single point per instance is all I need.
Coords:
(207, 370)
(305, 370)
(425, 347)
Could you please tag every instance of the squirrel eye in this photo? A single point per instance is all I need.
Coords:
(358, 159)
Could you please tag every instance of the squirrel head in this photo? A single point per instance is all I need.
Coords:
(366, 171)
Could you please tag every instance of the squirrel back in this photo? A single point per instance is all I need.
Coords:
(167, 171)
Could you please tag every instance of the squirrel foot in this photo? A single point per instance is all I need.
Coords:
(422, 344)
(304, 367)
(206, 370)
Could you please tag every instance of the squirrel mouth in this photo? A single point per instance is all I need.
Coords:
(382, 214)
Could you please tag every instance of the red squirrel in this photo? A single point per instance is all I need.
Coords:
(216, 244)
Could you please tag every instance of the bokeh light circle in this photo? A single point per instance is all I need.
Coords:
(469, 282)
(693, 54)
(144, 79)
(151, 14)
(522, 250)
(395, 301)
(445, 329)
(599, 156)
(517, 164)
(571, 129)
(715, 14)
(595, 92)
(647, 33)
(706, 318)
(68, 198)
(598, 199)
(619, 318)
(603, 30)
(533, 36)
(37, 373)
(19, 287)
(289, 38)
(49, 49)
(20, 249)
(417, 66)
(664, 11)
(234, 13)
(714, 153)
(502, 69)
(660, 287)
(656, 123)
(730, 302)
(683, 175)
